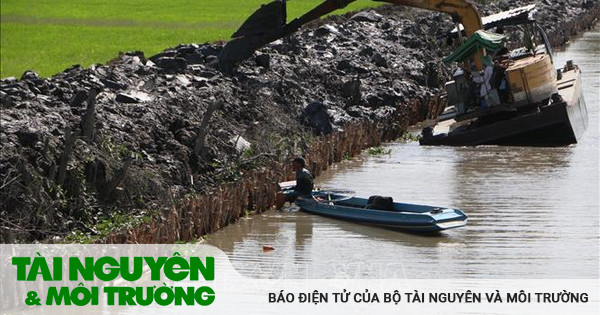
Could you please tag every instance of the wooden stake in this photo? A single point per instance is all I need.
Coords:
(199, 148)
(89, 119)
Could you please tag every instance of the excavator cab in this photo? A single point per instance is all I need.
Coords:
(462, 91)
(522, 77)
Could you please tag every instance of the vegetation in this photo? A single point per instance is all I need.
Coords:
(409, 137)
(379, 151)
(49, 36)
(117, 221)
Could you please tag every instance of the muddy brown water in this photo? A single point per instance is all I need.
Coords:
(533, 212)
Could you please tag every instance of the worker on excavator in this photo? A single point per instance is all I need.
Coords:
(483, 80)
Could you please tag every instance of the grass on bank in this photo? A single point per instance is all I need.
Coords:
(49, 36)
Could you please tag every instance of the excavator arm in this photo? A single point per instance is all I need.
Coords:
(267, 24)
(462, 11)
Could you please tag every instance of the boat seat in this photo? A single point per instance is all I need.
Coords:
(380, 203)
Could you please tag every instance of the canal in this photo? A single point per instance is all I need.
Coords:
(533, 212)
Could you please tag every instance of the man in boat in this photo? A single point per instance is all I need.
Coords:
(304, 184)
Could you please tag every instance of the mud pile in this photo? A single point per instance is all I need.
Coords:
(139, 133)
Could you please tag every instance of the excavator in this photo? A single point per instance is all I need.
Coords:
(540, 105)
(268, 24)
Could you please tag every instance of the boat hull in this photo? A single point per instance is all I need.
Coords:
(557, 124)
(404, 217)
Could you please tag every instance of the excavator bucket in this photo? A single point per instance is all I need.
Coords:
(262, 27)
(268, 19)
(266, 25)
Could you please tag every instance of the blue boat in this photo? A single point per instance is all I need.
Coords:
(394, 215)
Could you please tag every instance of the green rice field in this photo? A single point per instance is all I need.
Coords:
(49, 36)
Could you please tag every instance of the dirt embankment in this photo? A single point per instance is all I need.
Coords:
(171, 144)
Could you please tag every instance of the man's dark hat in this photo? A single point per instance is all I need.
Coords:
(300, 160)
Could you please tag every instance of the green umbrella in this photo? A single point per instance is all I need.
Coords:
(492, 42)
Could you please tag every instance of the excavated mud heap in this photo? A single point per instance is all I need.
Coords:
(148, 113)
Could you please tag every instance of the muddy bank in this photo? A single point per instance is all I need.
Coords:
(194, 216)
(174, 147)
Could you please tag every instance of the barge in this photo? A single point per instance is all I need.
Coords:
(538, 105)
(556, 123)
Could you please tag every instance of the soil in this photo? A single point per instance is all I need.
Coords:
(139, 132)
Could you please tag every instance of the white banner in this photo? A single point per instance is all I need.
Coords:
(199, 279)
